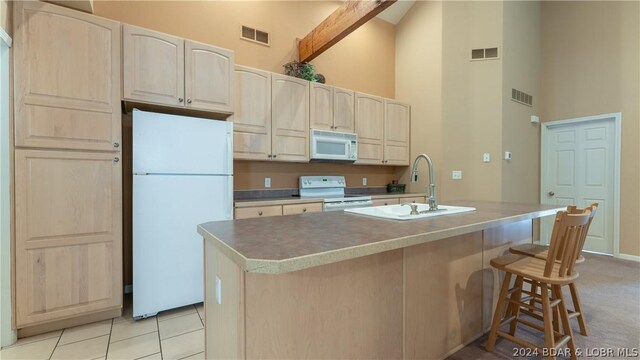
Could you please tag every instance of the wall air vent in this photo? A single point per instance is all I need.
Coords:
(521, 97)
(484, 54)
(254, 35)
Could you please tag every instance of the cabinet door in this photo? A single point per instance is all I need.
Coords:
(290, 118)
(153, 66)
(252, 114)
(321, 102)
(343, 110)
(397, 121)
(208, 77)
(68, 246)
(369, 120)
(67, 78)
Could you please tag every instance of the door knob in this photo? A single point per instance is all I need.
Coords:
(551, 193)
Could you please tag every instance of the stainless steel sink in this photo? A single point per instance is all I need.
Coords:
(399, 212)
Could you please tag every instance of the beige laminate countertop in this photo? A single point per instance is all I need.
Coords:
(297, 200)
(288, 243)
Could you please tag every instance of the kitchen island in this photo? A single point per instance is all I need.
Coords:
(339, 285)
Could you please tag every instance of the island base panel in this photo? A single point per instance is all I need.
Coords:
(349, 309)
(224, 322)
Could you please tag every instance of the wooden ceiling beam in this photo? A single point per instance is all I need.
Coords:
(347, 18)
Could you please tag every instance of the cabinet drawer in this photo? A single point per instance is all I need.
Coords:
(419, 199)
(301, 208)
(381, 202)
(262, 211)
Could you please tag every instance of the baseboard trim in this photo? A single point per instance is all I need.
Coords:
(128, 289)
(629, 257)
(70, 322)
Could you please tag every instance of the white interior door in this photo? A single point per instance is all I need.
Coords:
(579, 167)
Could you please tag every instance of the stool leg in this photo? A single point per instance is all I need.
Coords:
(515, 308)
(549, 340)
(578, 308)
(497, 315)
(564, 316)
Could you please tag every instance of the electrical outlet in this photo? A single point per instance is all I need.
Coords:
(486, 157)
(267, 182)
(218, 290)
(364, 181)
(456, 175)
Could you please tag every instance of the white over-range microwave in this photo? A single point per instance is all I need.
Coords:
(333, 146)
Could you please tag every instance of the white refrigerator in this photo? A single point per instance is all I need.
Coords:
(182, 177)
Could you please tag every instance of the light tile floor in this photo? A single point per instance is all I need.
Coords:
(174, 334)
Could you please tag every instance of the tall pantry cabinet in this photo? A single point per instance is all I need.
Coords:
(68, 184)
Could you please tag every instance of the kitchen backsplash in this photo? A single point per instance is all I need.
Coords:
(250, 175)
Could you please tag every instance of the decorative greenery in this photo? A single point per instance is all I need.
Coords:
(303, 71)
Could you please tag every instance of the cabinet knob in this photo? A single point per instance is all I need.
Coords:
(116, 159)
(180, 100)
(188, 101)
(304, 210)
(274, 156)
(259, 213)
(551, 193)
(116, 145)
(386, 203)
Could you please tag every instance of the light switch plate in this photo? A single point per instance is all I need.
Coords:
(267, 182)
(486, 157)
(218, 290)
(507, 155)
(364, 181)
(456, 175)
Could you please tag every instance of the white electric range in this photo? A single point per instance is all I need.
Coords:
(331, 190)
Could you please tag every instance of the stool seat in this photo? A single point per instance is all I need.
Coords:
(533, 268)
(501, 261)
(539, 251)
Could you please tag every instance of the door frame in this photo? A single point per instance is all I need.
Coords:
(8, 335)
(617, 125)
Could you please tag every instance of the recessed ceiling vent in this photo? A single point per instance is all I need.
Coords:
(521, 97)
(254, 35)
(484, 54)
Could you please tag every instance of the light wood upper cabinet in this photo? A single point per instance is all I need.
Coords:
(369, 124)
(67, 78)
(343, 110)
(290, 118)
(153, 66)
(252, 114)
(68, 245)
(321, 103)
(167, 70)
(396, 132)
(208, 77)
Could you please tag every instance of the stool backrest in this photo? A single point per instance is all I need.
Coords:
(572, 209)
(567, 238)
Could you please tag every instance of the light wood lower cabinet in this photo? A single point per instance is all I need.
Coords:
(301, 208)
(258, 211)
(68, 246)
(276, 210)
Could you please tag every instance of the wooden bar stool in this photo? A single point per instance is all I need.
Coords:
(542, 251)
(552, 273)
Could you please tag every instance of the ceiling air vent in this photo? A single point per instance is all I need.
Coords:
(254, 35)
(521, 97)
(484, 54)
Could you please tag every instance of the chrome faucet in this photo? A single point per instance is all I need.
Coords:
(431, 188)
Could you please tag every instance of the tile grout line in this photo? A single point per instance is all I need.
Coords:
(178, 316)
(198, 312)
(106, 354)
(77, 341)
(133, 337)
(184, 333)
(57, 342)
(201, 352)
(142, 357)
(159, 340)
